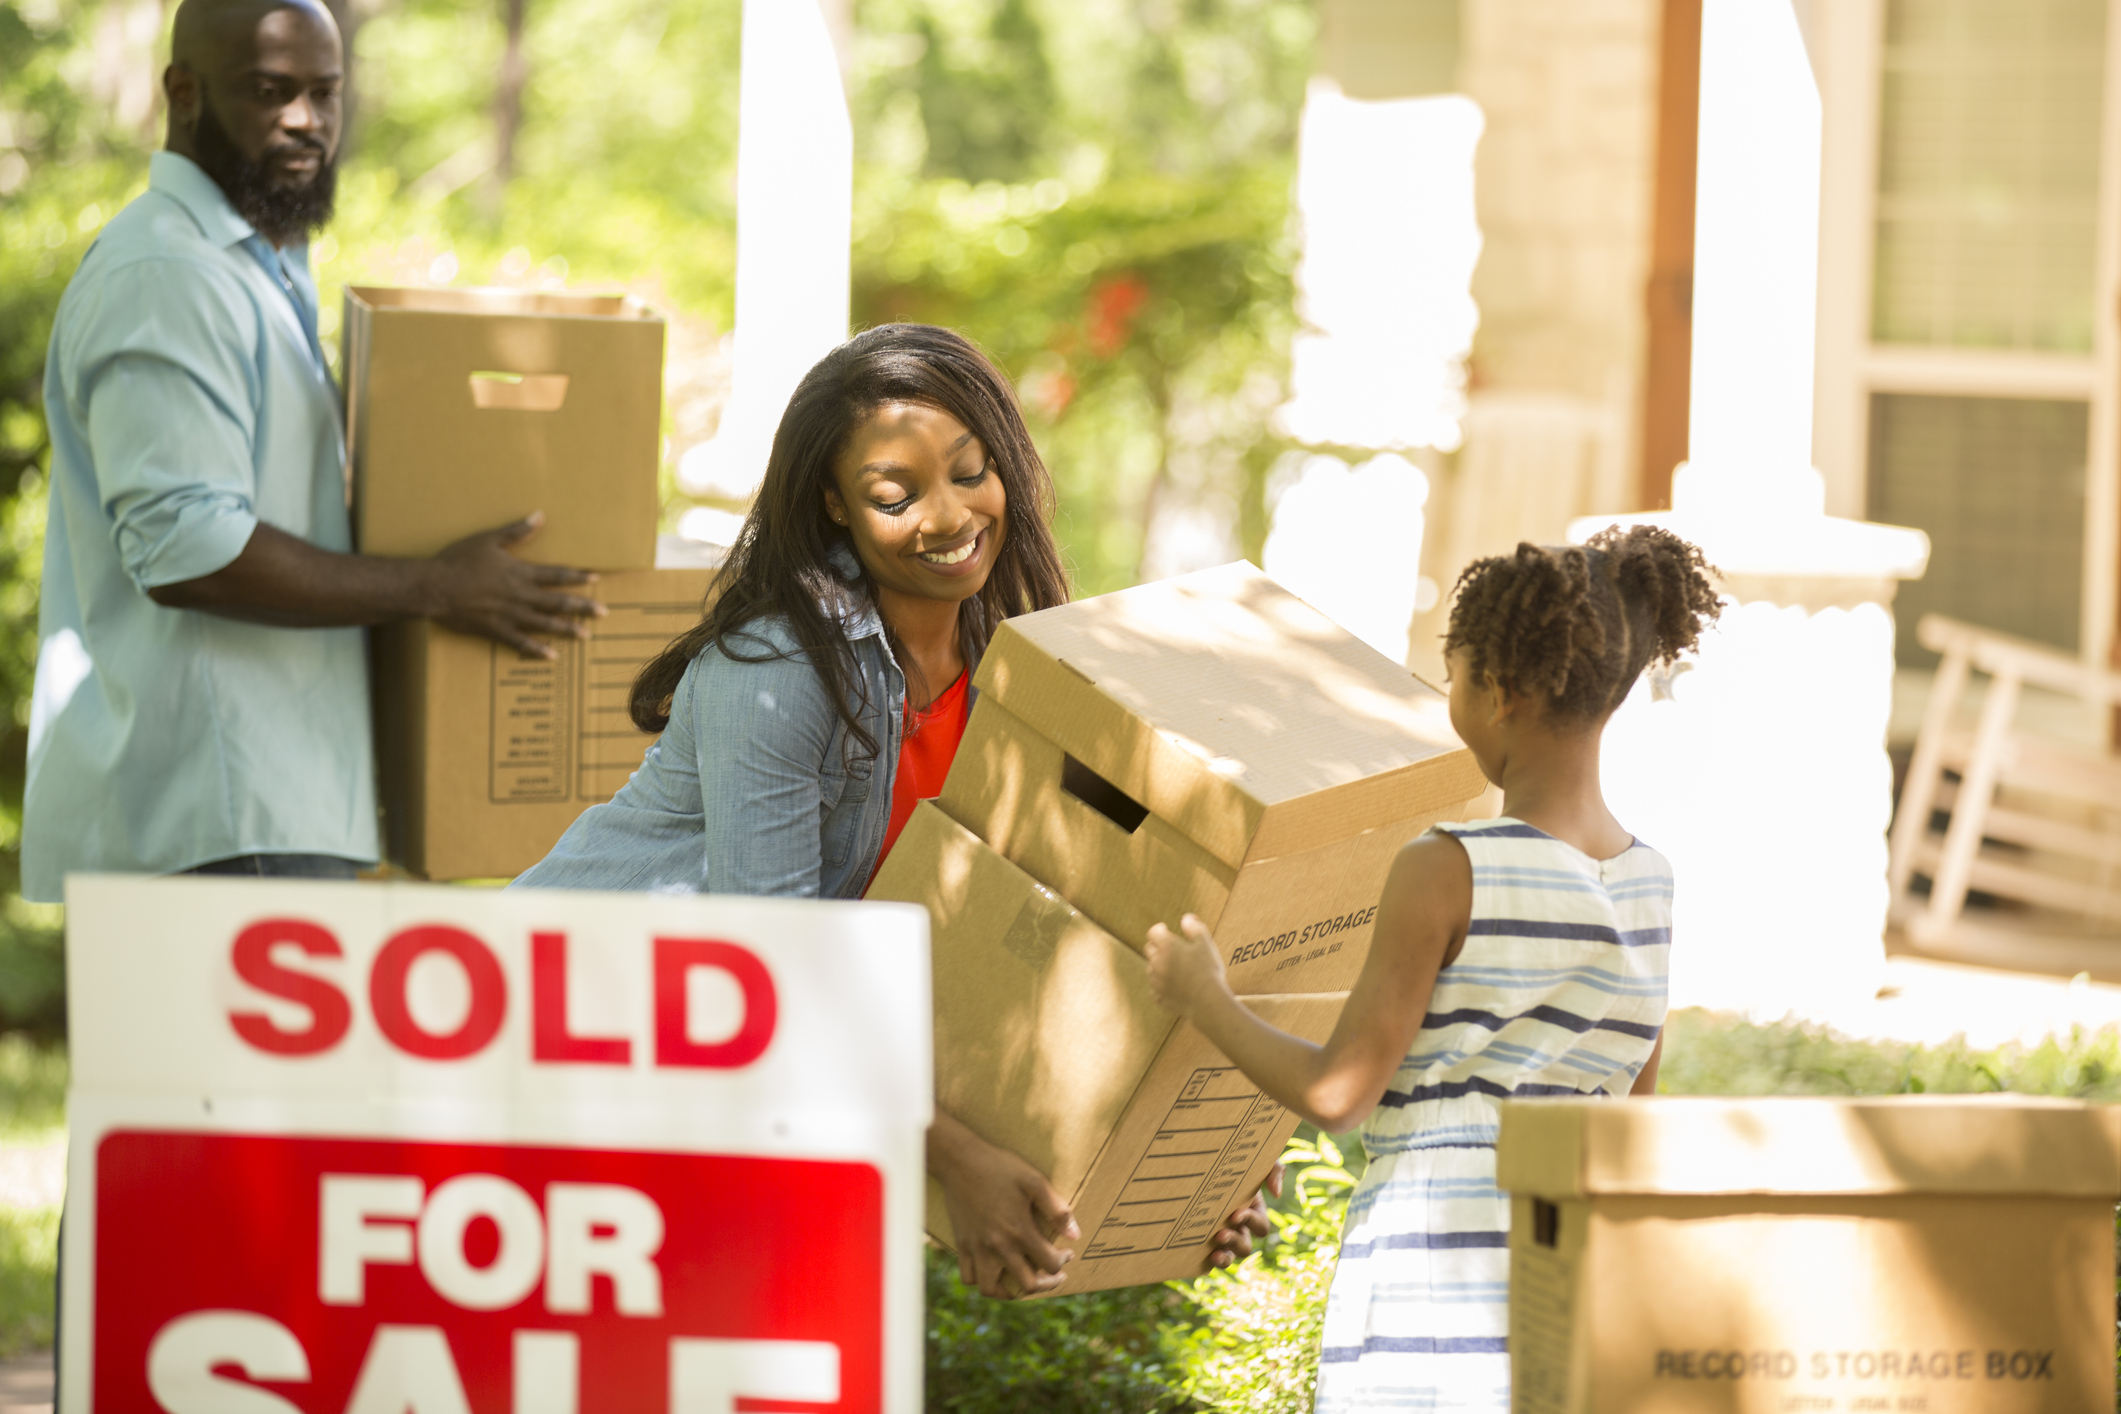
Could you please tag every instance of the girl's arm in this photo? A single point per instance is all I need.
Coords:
(1421, 925)
(1646, 1082)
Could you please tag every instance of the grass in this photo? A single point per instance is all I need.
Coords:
(32, 1112)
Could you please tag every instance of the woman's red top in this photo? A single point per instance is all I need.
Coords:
(924, 757)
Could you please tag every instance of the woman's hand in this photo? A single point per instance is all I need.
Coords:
(1004, 1214)
(1185, 968)
(1234, 1243)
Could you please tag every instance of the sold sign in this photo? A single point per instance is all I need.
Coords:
(401, 1149)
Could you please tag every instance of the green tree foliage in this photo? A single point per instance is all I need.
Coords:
(66, 165)
(1098, 191)
(1101, 194)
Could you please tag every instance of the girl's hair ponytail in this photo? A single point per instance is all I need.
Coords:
(1575, 626)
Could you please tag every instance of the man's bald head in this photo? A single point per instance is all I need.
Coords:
(205, 29)
(253, 88)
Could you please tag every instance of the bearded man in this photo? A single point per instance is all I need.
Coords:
(201, 701)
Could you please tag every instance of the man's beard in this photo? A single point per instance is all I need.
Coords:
(281, 214)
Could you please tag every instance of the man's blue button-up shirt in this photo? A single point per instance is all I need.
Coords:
(188, 401)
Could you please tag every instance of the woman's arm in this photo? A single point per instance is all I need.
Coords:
(761, 730)
(1004, 1214)
(1421, 924)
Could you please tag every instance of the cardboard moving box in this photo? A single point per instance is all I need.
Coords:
(1947, 1254)
(1048, 1044)
(486, 755)
(1209, 744)
(469, 409)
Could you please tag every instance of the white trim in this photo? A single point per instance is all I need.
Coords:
(1979, 373)
(2102, 481)
(1849, 39)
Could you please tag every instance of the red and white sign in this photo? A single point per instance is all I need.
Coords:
(405, 1149)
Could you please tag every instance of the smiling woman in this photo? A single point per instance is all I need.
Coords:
(904, 513)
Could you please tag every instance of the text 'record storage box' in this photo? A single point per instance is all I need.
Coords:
(1942, 1254)
(1209, 744)
(487, 754)
(1051, 1046)
(382, 1148)
(469, 409)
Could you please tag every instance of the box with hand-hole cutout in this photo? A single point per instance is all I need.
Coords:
(1212, 745)
(469, 409)
(1049, 1045)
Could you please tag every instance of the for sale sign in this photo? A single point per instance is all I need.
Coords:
(402, 1149)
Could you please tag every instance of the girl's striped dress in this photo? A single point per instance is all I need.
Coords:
(1559, 990)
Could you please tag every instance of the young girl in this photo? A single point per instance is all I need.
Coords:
(1523, 955)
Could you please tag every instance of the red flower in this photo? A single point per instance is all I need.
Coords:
(1111, 312)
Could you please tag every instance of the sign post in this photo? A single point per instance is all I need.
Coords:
(403, 1149)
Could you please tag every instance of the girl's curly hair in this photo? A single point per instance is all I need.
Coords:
(1576, 625)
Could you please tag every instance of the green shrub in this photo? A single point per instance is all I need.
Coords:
(1255, 1347)
(1106, 1350)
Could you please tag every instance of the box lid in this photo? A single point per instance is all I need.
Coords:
(1226, 704)
(1973, 1144)
(559, 304)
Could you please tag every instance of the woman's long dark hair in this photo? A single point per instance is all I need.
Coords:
(779, 565)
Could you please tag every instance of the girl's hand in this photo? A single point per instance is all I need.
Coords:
(1185, 968)
(1006, 1218)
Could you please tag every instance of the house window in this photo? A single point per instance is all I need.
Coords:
(1988, 173)
(1999, 485)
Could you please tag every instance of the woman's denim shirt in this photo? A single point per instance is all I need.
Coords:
(756, 786)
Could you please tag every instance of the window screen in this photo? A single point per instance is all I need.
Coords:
(1999, 485)
(1988, 173)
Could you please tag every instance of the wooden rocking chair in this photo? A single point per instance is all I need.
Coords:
(2032, 820)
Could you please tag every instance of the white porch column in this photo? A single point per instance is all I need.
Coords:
(794, 224)
(1758, 765)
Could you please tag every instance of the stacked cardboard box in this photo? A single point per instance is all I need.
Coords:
(467, 410)
(1209, 744)
(1740, 1256)
(486, 754)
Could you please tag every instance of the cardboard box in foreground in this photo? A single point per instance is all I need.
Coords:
(469, 409)
(1048, 1044)
(1941, 1254)
(486, 755)
(1209, 744)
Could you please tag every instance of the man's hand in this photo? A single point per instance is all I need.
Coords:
(1185, 968)
(474, 586)
(1006, 1217)
(480, 588)
(1234, 1243)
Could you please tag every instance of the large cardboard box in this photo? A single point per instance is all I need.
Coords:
(469, 409)
(486, 755)
(1049, 1044)
(1941, 1254)
(1209, 744)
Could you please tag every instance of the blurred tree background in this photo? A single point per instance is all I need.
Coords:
(1099, 191)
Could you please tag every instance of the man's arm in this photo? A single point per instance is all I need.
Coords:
(474, 586)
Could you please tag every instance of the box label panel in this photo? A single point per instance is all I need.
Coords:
(1186, 1183)
(610, 745)
(533, 725)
